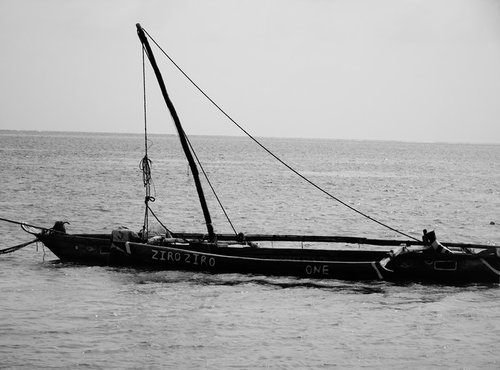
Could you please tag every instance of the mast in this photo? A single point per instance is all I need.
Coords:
(180, 131)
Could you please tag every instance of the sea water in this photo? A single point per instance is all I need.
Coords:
(59, 315)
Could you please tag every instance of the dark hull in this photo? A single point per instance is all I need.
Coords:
(91, 249)
(457, 268)
(98, 249)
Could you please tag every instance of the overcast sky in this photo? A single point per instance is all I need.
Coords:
(410, 70)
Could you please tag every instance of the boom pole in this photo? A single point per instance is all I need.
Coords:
(180, 131)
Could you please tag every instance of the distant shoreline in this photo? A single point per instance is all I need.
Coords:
(94, 134)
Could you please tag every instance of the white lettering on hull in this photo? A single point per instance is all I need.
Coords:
(317, 270)
(183, 258)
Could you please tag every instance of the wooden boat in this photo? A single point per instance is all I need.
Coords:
(192, 252)
(424, 260)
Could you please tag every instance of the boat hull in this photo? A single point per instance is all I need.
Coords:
(102, 249)
(350, 265)
(455, 268)
(91, 249)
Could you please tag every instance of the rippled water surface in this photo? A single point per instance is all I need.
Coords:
(60, 316)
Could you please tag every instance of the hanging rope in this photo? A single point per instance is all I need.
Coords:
(145, 167)
(274, 155)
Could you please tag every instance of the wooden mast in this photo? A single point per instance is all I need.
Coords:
(180, 130)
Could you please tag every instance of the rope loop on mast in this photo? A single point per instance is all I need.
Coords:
(145, 167)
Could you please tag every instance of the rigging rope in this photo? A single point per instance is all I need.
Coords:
(145, 164)
(157, 219)
(271, 153)
(210, 184)
(144, 102)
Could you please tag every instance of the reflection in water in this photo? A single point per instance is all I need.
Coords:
(207, 279)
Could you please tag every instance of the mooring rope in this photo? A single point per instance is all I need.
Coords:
(274, 155)
(23, 223)
(17, 247)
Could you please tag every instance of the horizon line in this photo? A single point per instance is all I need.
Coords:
(242, 135)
